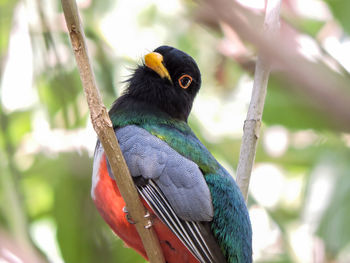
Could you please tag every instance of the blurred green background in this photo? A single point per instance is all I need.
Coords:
(300, 186)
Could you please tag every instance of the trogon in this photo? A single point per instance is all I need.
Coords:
(197, 210)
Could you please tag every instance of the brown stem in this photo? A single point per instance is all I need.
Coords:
(104, 129)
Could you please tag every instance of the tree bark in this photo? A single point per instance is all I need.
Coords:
(104, 129)
(253, 121)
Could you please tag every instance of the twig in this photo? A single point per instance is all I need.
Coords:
(103, 127)
(256, 106)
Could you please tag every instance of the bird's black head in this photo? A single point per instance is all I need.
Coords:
(168, 81)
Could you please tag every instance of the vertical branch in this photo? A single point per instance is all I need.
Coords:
(253, 121)
(104, 129)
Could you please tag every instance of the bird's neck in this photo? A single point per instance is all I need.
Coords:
(129, 111)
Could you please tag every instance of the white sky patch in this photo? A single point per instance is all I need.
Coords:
(339, 49)
(293, 192)
(255, 4)
(308, 48)
(313, 9)
(224, 117)
(53, 141)
(301, 241)
(271, 187)
(267, 184)
(266, 234)
(43, 233)
(220, 118)
(322, 184)
(276, 140)
(133, 40)
(16, 87)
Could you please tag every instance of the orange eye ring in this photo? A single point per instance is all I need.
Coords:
(183, 83)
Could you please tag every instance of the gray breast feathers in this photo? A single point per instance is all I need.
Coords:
(179, 179)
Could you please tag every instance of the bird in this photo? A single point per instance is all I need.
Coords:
(196, 208)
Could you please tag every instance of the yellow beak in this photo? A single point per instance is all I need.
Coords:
(154, 61)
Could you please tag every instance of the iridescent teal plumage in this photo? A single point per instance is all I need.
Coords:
(231, 224)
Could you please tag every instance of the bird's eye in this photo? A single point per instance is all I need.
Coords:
(185, 81)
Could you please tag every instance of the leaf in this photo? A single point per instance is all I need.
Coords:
(6, 15)
(38, 195)
(334, 226)
(291, 109)
(19, 123)
(310, 26)
(340, 9)
(58, 92)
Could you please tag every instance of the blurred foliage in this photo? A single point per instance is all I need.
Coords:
(339, 8)
(6, 13)
(41, 181)
(295, 112)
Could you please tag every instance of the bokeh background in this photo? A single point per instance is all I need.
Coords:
(300, 186)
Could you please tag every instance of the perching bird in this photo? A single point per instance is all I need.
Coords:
(198, 212)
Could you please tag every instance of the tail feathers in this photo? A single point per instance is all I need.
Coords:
(196, 236)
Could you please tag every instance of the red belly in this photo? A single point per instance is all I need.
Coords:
(110, 205)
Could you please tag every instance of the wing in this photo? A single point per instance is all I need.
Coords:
(180, 179)
(174, 187)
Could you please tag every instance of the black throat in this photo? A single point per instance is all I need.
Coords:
(127, 104)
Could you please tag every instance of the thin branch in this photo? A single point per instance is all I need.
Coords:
(256, 106)
(104, 129)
